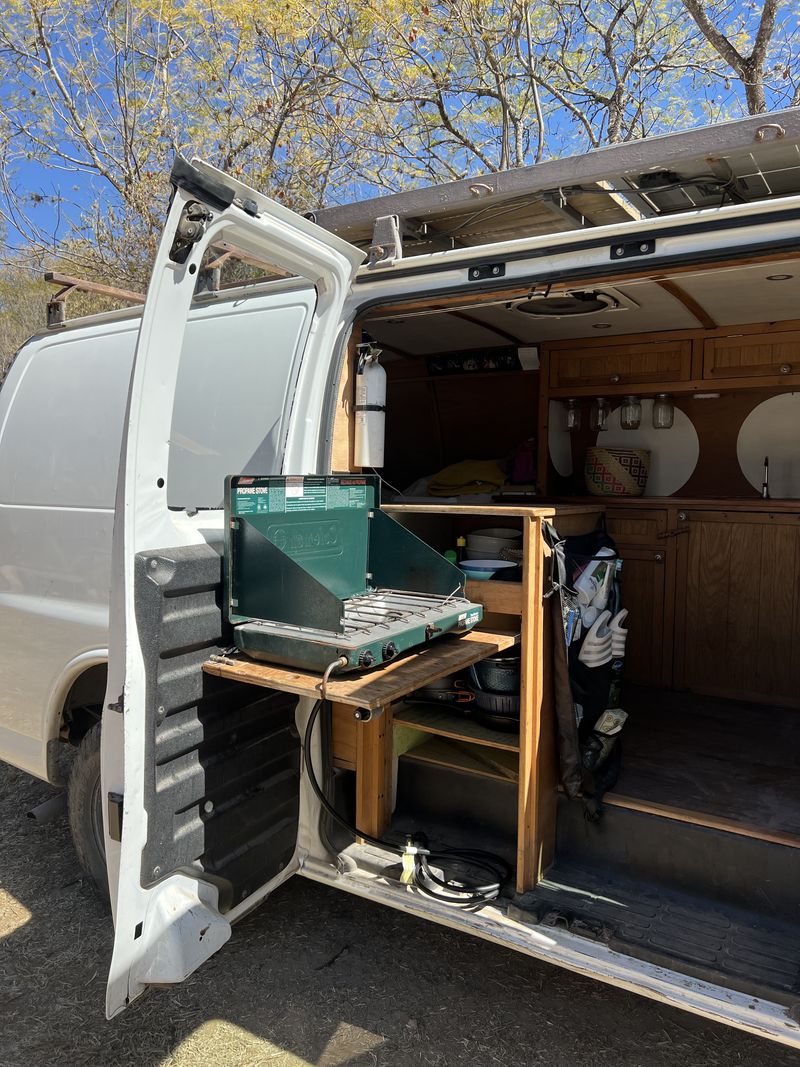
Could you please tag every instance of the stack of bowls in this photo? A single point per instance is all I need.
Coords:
(489, 544)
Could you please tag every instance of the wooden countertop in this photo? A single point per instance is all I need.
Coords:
(692, 504)
(379, 686)
(538, 511)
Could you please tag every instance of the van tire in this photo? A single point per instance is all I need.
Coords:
(85, 810)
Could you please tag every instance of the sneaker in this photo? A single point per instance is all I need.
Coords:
(596, 648)
(618, 634)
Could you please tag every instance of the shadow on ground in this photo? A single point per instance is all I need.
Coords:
(314, 977)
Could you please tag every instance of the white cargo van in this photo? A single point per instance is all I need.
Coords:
(649, 292)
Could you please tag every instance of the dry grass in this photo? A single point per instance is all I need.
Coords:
(314, 977)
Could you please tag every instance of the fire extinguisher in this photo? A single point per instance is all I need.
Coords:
(370, 407)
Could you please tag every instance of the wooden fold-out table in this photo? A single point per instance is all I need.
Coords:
(514, 612)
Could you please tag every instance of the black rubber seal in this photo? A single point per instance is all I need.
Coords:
(214, 193)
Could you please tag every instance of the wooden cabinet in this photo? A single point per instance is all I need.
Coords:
(636, 526)
(752, 355)
(738, 615)
(646, 591)
(644, 586)
(617, 365)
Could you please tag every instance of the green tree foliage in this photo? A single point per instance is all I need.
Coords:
(324, 101)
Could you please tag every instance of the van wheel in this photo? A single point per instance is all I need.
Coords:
(85, 808)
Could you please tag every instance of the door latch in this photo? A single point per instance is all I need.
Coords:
(672, 533)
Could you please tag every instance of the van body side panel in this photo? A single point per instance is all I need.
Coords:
(61, 415)
(62, 410)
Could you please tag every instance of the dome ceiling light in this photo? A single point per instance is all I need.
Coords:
(576, 302)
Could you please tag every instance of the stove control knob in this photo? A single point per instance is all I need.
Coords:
(366, 659)
(389, 650)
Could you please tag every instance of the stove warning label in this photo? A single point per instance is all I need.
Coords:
(298, 494)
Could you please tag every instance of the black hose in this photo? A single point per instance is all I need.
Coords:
(449, 891)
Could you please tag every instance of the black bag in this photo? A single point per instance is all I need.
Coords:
(589, 761)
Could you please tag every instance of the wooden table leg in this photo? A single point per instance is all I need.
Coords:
(374, 773)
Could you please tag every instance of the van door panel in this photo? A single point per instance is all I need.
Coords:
(209, 773)
(222, 797)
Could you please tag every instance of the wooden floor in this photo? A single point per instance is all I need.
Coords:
(737, 765)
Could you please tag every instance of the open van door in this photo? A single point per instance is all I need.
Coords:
(201, 785)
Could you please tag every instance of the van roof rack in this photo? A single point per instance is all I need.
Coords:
(57, 305)
(209, 282)
(744, 160)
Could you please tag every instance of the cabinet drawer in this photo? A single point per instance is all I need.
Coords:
(752, 356)
(636, 526)
(620, 365)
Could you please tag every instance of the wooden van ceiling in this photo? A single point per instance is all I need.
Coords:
(727, 297)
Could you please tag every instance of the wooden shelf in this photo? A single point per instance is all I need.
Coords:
(470, 759)
(502, 597)
(376, 688)
(434, 719)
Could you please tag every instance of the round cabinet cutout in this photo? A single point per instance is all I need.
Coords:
(772, 429)
(673, 453)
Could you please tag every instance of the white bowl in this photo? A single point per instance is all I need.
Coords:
(492, 542)
(482, 569)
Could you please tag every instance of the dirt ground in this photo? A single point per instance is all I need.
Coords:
(314, 977)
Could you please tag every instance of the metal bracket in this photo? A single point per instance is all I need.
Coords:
(367, 714)
(387, 244)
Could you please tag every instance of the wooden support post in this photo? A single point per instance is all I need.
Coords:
(536, 814)
(374, 773)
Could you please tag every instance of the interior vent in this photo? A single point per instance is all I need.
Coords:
(562, 304)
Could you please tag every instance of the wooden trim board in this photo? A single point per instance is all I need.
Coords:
(379, 687)
(699, 818)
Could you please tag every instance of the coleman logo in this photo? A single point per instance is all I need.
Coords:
(306, 540)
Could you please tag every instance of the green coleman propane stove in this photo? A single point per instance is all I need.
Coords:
(316, 571)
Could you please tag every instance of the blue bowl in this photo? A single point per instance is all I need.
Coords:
(481, 570)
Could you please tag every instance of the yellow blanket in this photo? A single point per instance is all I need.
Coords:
(469, 476)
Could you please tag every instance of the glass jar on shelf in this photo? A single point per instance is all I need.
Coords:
(573, 415)
(598, 416)
(630, 414)
(663, 412)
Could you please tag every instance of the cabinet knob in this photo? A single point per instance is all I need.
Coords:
(659, 557)
(785, 368)
(682, 516)
(614, 379)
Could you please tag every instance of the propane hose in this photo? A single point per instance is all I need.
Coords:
(416, 856)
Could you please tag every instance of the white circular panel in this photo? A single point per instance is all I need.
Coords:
(673, 453)
(559, 439)
(772, 429)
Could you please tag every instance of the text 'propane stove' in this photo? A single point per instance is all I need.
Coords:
(316, 571)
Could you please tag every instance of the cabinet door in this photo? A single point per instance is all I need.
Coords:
(738, 611)
(752, 356)
(635, 526)
(620, 365)
(643, 594)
